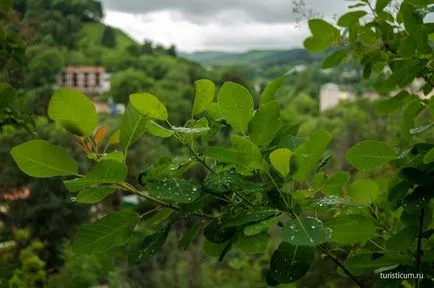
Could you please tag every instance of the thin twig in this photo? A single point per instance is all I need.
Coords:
(342, 266)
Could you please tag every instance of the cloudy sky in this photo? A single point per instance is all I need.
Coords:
(228, 25)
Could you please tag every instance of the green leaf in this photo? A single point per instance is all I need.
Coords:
(204, 94)
(214, 111)
(133, 125)
(407, 46)
(308, 154)
(258, 227)
(229, 181)
(236, 105)
(105, 172)
(93, 195)
(351, 18)
(113, 230)
(334, 59)
(280, 159)
(38, 158)
(324, 35)
(318, 181)
(364, 190)
(158, 130)
(381, 4)
(290, 263)
(265, 124)
(216, 232)
(178, 190)
(429, 157)
(5, 6)
(149, 246)
(407, 122)
(270, 91)
(253, 244)
(306, 232)
(74, 111)
(253, 215)
(189, 236)
(367, 263)
(389, 105)
(116, 155)
(149, 105)
(370, 154)
(403, 239)
(213, 249)
(333, 202)
(335, 183)
(351, 229)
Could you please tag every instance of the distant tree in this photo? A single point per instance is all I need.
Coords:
(108, 38)
(171, 51)
(147, 47)
(134, 50)
(159, 49)
(44, 68)
(128, 82)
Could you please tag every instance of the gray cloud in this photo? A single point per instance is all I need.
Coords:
(205, 11)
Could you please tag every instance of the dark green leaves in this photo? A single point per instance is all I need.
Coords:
(290, 263)
(178, 190)
(265, 124)
(391, 104)
(204, 94)
(254, 215)
(370, 154)
(381, 4)
(113, 230)
(92, 195)
(306, 232)
(149, 246)
(323, 36)
(350, 229)
(216, 232)
(38, 158)
(236, 105)
(253, 244)
(308, 154)
(335, 183)
(350, 18)
(74, 111)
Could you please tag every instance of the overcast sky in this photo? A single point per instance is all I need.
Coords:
(228, 25)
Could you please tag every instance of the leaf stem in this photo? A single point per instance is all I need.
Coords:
(341, 265)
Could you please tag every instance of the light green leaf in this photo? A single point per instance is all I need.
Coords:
(258, 227)
(318, 181)
(105, 172)
(381, 4)
(236, 105)
(74, 111)
(265, 124)
(334, 59)
(389, 105)
(113, 230)
(253, 244)
(214, 111)
(306, 232)
(280, 159)
(420, 129)
(324, 35)
(133, 125)
(351, 229)
(115, 138)
(429, 157)
(158, 130)
(335, 183)
(271, 89)
(38, 158)
(351, 18)
(178, 190)
(254, 159)
(370, 154)
(149, 105)
(367, 263)
(308, 154)
(364, 190)
(204, 94)
(290, 263)
(116, 155)
(94, 194)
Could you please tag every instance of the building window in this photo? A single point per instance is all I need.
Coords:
(97, 79)
(74, 80)
(86, 77)
(64, 80)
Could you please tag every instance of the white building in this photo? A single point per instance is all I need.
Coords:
(330, 95)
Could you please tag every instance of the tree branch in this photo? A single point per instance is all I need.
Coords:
(419, 244)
